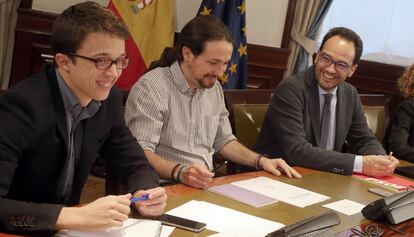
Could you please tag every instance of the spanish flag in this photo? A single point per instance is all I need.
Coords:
(151, 24)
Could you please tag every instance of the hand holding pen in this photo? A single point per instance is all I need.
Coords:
(150, 202)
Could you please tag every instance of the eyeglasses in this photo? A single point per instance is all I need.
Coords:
(106, 63)
(325, 60)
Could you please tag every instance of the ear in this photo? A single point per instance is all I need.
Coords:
(352, 70)
(187, 54)
(316, 58)
(63, 61)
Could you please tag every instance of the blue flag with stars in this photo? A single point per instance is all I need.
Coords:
(233, 14)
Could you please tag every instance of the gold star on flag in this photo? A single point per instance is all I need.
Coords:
(242, 8)
(224, 78)
(242, 50)
(205, 11)
(218, 1)
(233, 68)
(244, 30)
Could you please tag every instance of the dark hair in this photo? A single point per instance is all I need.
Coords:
(348, 35)
(74, 24)
(194, 35)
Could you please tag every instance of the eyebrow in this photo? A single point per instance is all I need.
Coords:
(107, 55)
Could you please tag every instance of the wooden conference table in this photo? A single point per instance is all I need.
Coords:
(337, 187)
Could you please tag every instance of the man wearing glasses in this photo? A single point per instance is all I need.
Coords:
(54, 124)
(313, 113)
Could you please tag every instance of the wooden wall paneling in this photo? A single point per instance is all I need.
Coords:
(265, 66)
(32, 39)
(378, 78)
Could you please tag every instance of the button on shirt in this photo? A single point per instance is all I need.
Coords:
(180, 125)
(331, 137)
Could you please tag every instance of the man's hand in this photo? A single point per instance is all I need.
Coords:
(196, 176)
(378, 166)
(155, 205)
(103, 213)
(277, 166)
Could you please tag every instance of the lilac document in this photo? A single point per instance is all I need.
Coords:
(242, 195)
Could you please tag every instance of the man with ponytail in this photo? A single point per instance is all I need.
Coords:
(177, 112)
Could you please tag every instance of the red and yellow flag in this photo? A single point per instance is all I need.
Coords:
(151, 25)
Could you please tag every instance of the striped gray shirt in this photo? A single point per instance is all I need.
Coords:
(169, 119)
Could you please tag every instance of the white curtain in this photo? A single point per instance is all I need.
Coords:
(8, 17)
(385, 27)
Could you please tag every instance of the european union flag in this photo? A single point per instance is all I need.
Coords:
(233, 14)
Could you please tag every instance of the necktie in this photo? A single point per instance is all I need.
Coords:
(325, 120)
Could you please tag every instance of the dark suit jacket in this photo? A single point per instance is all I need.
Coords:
(33, 150)
(291, 128)
(400, 139)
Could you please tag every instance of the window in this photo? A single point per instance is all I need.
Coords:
(384, 26)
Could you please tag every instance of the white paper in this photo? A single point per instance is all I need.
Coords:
(130, 228)
(166, 230)
(283, 192)
(345, 206)
(225, 220)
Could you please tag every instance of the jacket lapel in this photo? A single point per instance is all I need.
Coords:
(313, 94)
(58, 105)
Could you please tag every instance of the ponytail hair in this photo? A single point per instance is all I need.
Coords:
(194, 35)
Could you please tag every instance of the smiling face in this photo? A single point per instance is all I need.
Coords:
(203, 70)
(340, 52)
(81, 75)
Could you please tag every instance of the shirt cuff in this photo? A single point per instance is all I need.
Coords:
(358, 164)
(147, 146)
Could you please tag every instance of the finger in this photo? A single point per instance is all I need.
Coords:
(284, 167)
(155, 200)
(295, 173)
(116, 223)
(272, 169)
(122, 207)
(201, 171)
(116, 215)
(153, 210)
(197, 175)
(195, 182)
(124, 199)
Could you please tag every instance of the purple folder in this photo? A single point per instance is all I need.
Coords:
(242, 195)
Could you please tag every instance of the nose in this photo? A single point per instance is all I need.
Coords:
(113, 71)
(331, 68)
(220, 69)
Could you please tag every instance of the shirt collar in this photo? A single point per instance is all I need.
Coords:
(71, 102)
(322, 92)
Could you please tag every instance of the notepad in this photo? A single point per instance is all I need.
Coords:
(131, 227)
(243, 195)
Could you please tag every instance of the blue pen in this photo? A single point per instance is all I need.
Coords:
(144, 197)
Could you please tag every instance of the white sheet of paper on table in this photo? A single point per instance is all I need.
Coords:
(281, 191)
(345, 206)
(225, 220)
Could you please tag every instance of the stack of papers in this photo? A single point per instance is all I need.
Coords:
(226, 221)
(263, 191)
(131, 227)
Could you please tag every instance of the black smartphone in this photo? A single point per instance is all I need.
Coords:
(182, 223)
